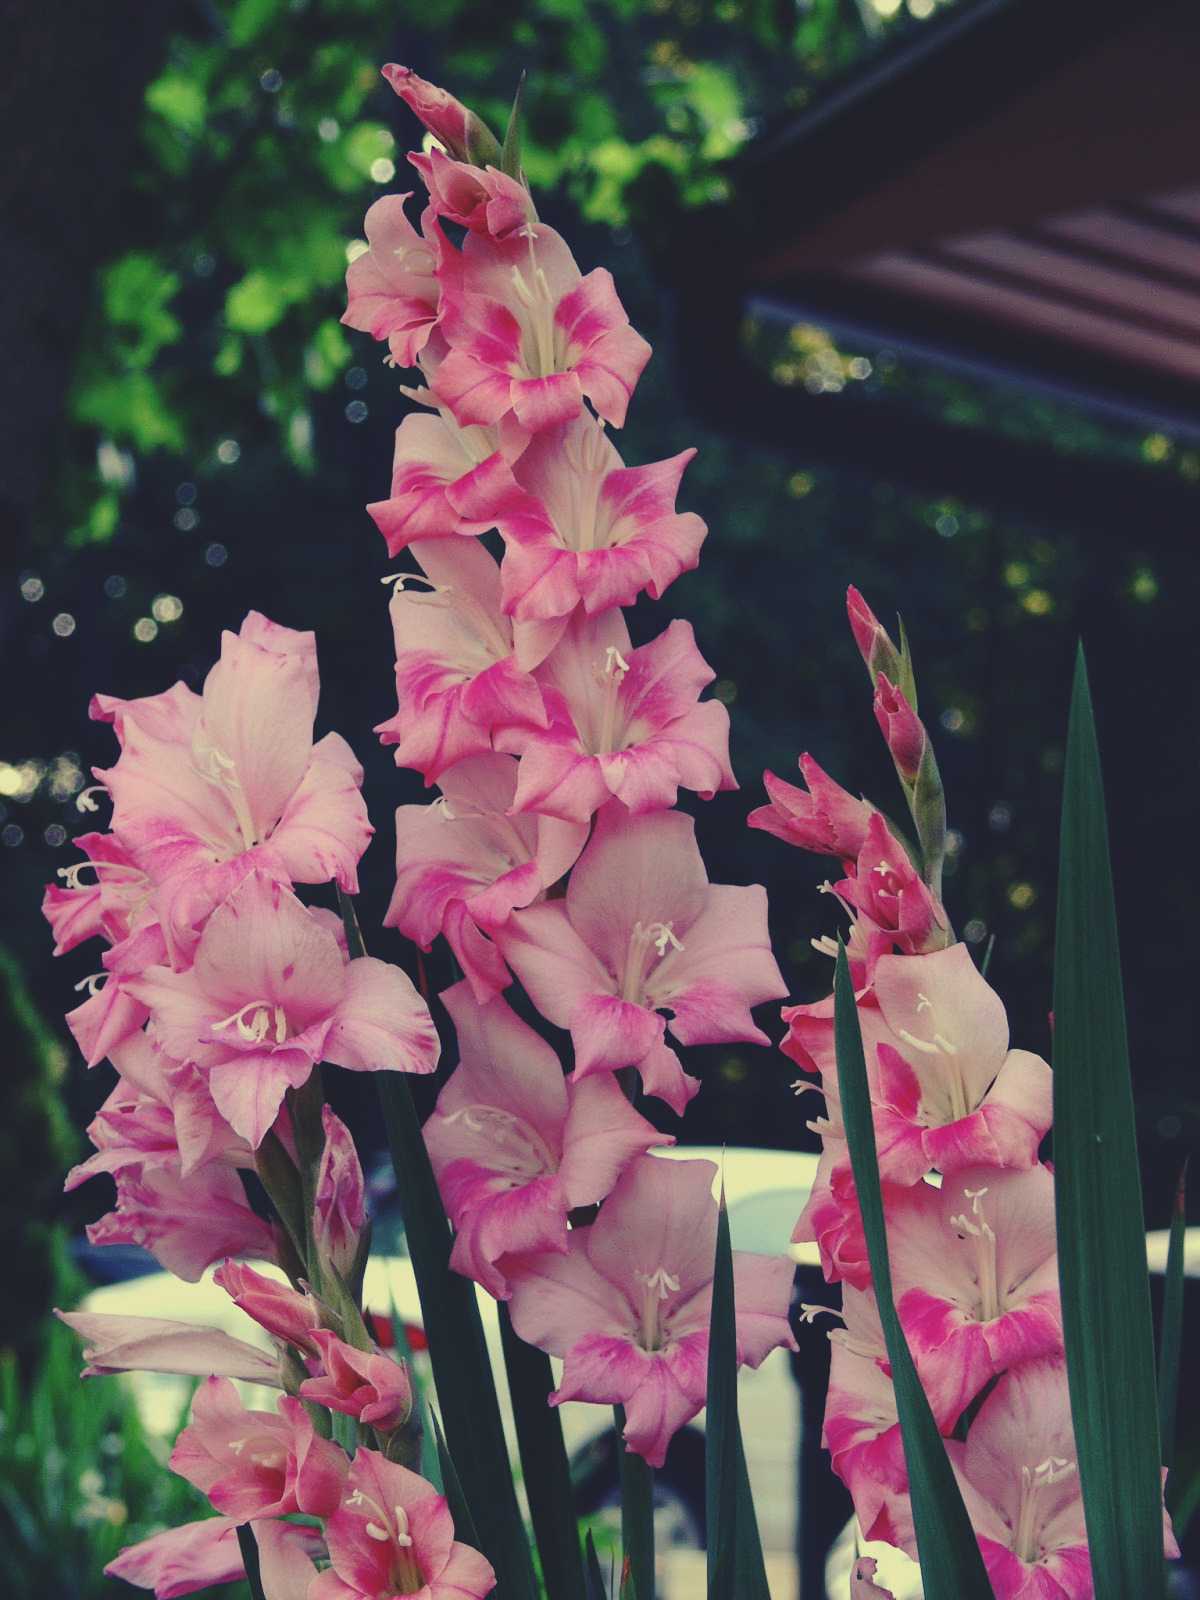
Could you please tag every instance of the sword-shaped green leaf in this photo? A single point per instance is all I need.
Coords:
(637, 1517)
(597, 1589)
(1101, 1232)
(951, 1565)
(735, 1560)
(544, 1463)
(1171, 1344)
(248, 1545)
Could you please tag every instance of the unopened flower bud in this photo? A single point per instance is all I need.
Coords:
(465, 136)
(339, 1211)
(902, 729)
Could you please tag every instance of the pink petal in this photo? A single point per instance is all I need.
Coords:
(381, 1023)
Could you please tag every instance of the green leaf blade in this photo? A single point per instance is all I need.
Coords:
(1101, 1230)
(951, 1564)
(1171, 1345)
(637, 1517)
(545, 1466)
(248, 1545)
(736, 1570)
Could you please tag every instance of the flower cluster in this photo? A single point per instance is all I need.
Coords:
(969, 1207)
(558, 747)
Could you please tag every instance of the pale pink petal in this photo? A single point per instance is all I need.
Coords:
(153, 1344)
(381, 1023)
(601, 1136)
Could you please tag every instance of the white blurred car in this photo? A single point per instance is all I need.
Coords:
(765, 1191)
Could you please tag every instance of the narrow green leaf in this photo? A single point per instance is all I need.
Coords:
(1171, 1345)
(464, 1523)
(248, 1545)
(637, 1516)
(458, 1353)
(1101, 1232)
(544, 1464)
(735, 1561)
(510, 150)
(951, 1565)
(596, 1587)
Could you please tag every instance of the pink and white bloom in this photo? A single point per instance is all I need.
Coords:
(257, 1463)
(483, 199)
(862, 1427)
(283, 1311)
(515, 1147)
(433, 463)
(364, 1384)
(627, 1307)
(640, 931)
(393, 1535)
(464, 863)
(339, 1207)
(528, 334)
(1019, 1479)
(211, 786)
(975, 1274)
(580, 527)
(884, 887)
(110, 1015)
(155, 1344)
(185, 1223)
(160, 1113)
(950, 1093)
(198, 1555)
(270, 994)
(831, 1219)
(392, 289)
(825, 819)
(624, 723)
(457, 672)
(109, 905)
(447, 119)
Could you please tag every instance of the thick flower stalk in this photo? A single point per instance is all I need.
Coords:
(969, 1208)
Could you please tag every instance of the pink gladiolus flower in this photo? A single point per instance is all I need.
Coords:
(271, 993)
(110, 1015)
(1018, 1475)
(950, 1093)
(393, 1535)
(185, 1223)
(282, 1311)
(623, 722)
(826, 820)
(159, 1114)
(832, 1220)
(862, 1581)
(109, 906)
(641, 930)
(154, 1344)
(433, 463)
(515, 1147)
(884, 887)
(363, 1384)
(483, 199)
(198, 1555)
(211, 786)
(257, 1463)
(580, 527)
(340, 1211)
(457, 676)
(627, 1307)
(463, 863)
(447, 119)
(528, 334)
(976, 1277)
(392, 289)
(903, 731)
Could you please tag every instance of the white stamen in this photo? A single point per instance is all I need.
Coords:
(400, 581)
(825, 946)
(93, 983)
(663, 935)
(255, 1020)
(84, 801)
(810, 1313)
(71, 878)
(442, 806)
(614, 661)
(374, 1531)
(402, 1534)
(660, 1282)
